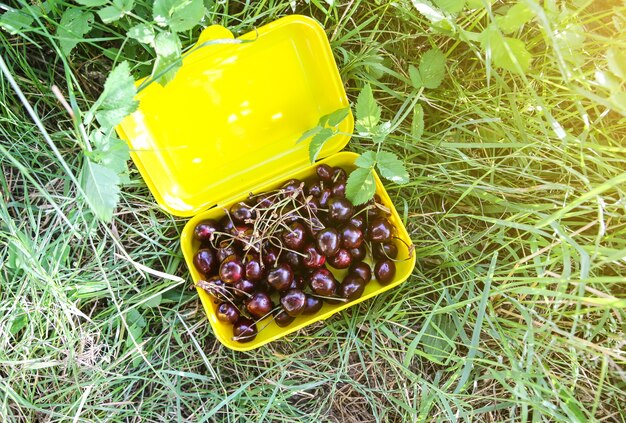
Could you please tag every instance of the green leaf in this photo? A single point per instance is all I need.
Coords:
(366, 160)
(118, 97)
(168, 49)
(450, 6)
(417, 126)
(89, 287)
(414, 75)
(432, 68)
(362, 130)
(323, 120)
(14, 21)
(433, 14)
(438, 339)
(92, 3)
(381, 131)
(309, 133)
(514, 18)
(336, 117)
(506, 53)
(367, 110)
(134, 332)
(180, 15)
(153, 302)
(392, 168)
(361, 186)
(134, 317)
(111, 152)
(317, 143)
(570, 41)
(19, 322)
(618, 99)
(19, 250)
(475, 4)
(73, 26)
(116, 11)
(607, 80)
(374, 67)
(143, 33)
(617, 62)
(101, 189)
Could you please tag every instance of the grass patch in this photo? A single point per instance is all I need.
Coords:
(515, 310)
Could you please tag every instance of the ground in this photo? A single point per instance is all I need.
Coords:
(515, 310)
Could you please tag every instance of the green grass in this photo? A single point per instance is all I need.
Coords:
(515, 310)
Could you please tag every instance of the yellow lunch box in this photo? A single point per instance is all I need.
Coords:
(227, 125)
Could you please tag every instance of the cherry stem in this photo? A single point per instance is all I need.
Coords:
(410, 249)
(343, 300)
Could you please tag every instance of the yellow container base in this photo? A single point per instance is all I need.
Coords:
(272, 332)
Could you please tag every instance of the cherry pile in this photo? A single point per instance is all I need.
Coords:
(268, 255)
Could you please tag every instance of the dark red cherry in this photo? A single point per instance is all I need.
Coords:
(244, 329)
(352, 287)
(357, 221)
(378, 209)
(204, 261)
(384, 270)
(227, 224)
(384, 250)
(205, 229)
(295, 236)
(263, 286)
(280, 277)
(313, 207)
(312, 305)
(314, 259)
(324, 172)
(238, 230)
(259, 304)
(339, 189)
(282, 319)
(380, 230)
(265, 201)
(226, 249)
(254, 271)
(291, 186)
(362, 270)
(339, 175)
(315, 189)
(297, 282)
(290, 214)
(373, 213)
(228, 313)
(270, 255)
(384, 210)
(241, 212)
(341, 260)
(351, 236)
(231, 270)
(242, 232)
(323, 282)
(358, 254)
(293, 302)
(324, 197)
(340, 209)
(243, 287)
(316, 225)
(328, 241)
(215, 286)
(292, 259)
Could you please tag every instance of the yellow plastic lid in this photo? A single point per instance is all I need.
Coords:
(229, 120)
